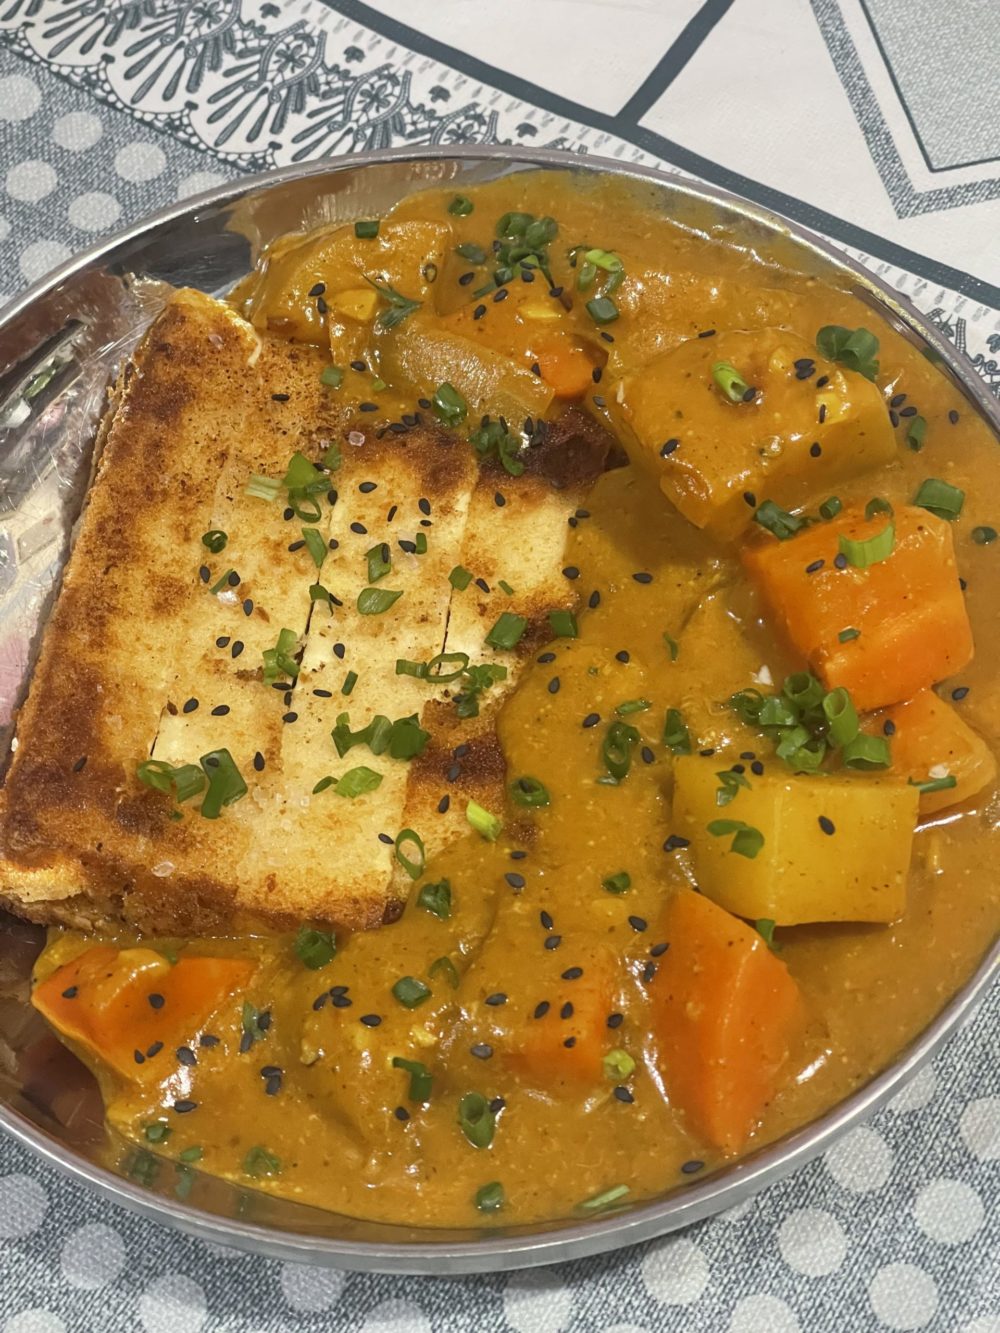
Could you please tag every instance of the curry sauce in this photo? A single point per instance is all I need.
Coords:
(533, 1035)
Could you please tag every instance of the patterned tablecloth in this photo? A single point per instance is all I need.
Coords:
(876, 121)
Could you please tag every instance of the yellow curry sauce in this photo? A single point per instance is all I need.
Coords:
(305, 1101)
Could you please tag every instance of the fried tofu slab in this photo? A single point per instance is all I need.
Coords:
(155, 648)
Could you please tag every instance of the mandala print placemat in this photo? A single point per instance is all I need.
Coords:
(108, 111)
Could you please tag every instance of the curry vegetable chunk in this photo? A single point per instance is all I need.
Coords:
(833, 847)
(486, 761)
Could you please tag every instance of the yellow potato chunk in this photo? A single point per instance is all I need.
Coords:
(716, 460)
(835, 848)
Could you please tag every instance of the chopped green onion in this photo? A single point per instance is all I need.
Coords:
(803, 690)
(400, 306)
(493, 439)
(420, 543)
(215, 539)
(940, 498)
(606, 1199)
(916, 433)
(406, 667)
(315, 948)
(602, 310)
(375, 601)
(777, 712)
(436, 899)
(375, 735)
(250, 1022)
(529, 792)
(935, 784)
(563, 624)
(324, 784)
(414, 867)
(407, 738)
(158, 1132)
(280, 660)
(332, 458)
(461, 206)
(673, 647)
(379, 562)
(475, 680)
(854, 348)
(846, 635)
(475, 254)
(490, 1198)
(193, 1154)
(616, 748)
(676, 736)
(747, 841)
(350, 680)
(730, 783)
(358, 782)
(332, 377)
(830, 508)
(632, 706)
(377, 385)
(731, 382)
(449, 405)
(410, 992)
(219, 584)
(446, 968)
(485, 824)
(315, 545)
(300, 473)
(421, 1080)
(765, 929)
(870, 551)
(366, 230)
(260, 1162)
(779, 522)
(866, 752)
(504, 586)
(618, 1065)
(618, 883)
(225, 783)
(983, 535)
(460, 578)
(842, 716)
(804, 757)
(185, 781)
(508, 631)
(262, 488)
(477, 1121)
(877, 506)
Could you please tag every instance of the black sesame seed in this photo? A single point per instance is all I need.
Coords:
(359, 528)
(822, 413)
(479, 312)
(658, 950)
(156, 1000)
(237, 648)
(366, 487)
(707, 333)
(676, 843)
(515, 880)
(545, 919)
(953, 417)
(289, 717)
(234, 579)
(138, 1057)
(572, 974)
(220, 710)
(518, 855)
(501, 295)
(649, 972)
(189, 706)
(499, 499)
(222, 641)
(689, 1168)
(204, 573)
(208, 1039)
(186, 1056)
(321, 306)
(908, 412)
(443, 804)
(546, 657)
(667, 449)
(815, 450)
(320, 1001)
(498, 997)
(567, 1010)
(482, 585)
(826, 825)
(258, 762)
(959, 693)
(615, 1020)
(371, 1020)
(453, 773)
(367, 407)
(541, 1009)
(815, 566)
(553, 941)
(591, 720)
(596, 374)
(481, 1050)
(70, 993)
(893, 417)
(571, 572)
(317, 289)
(840, 560)
(401, 1114)
(264, 1020)
(897, 400)
(638, 923)
(623, 1095)
(465, 279)
(647, 755)
(569, 1043)
(823, 381)
(889, 727)
(750, 499)
(338, 651)
(272, 1085)
(184, 1105)
(554, 685)
(757, 768)
(384, 837)
(280, 397)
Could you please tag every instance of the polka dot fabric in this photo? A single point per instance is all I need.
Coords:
(896, 1228)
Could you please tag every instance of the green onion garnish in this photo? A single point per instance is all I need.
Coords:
(280, 660)
(421, 1080)
(185, 781)
(350, 680)
(407, 738)
(436, 899)
(358, 782)
(606, 1199)
(375, 601)
(529, 792)
(225, 783)
(764, 927)
(870, 551)
(413, 865)
(508, 630)
(215, 539)
(779, 522)
(260, 1162)
(400, 306)
(830, 508)
(193, 1154)
(676, 736)
(616, 748)
(315, 948)
(406, 667)
(493, 439)
(410, 992)
(916, 433)
(846, 635)
(877, 506)
(475, 254)
(729, 786)
(632, 706)
(221, 583)
(446, 968)
(158, 1132)
(332, 458)
(379, 562)
(490, 1198)
(299, 474)
(262, 488)
(420, 543)
(866, 752)
(449, 405)
(747, 840)
(324, 784)
(475, 681)
(935, 784)
(332, 377)
(618, 883)
(854, 348)
(485, 824)
(315, 545)
(367, 230)
(731, 382)
(461, 206)
(940, 498)
(563, 624)
(840, 713)
(618, 1065)
(602, 310)
(477, 1121)
(802, 689)
(460, 578)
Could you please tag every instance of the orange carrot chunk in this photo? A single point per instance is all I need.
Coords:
(726, 1013)
(553, 1049)
(120, 1003)
(930, 742)
(565, 368)
(883, 632)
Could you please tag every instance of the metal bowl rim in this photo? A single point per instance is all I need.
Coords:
(691, 1203)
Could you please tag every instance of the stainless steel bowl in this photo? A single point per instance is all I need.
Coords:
(59, 345)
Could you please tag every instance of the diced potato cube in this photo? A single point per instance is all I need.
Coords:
(908, 610)
(931, 740)
(728, 457)
(836, 848)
